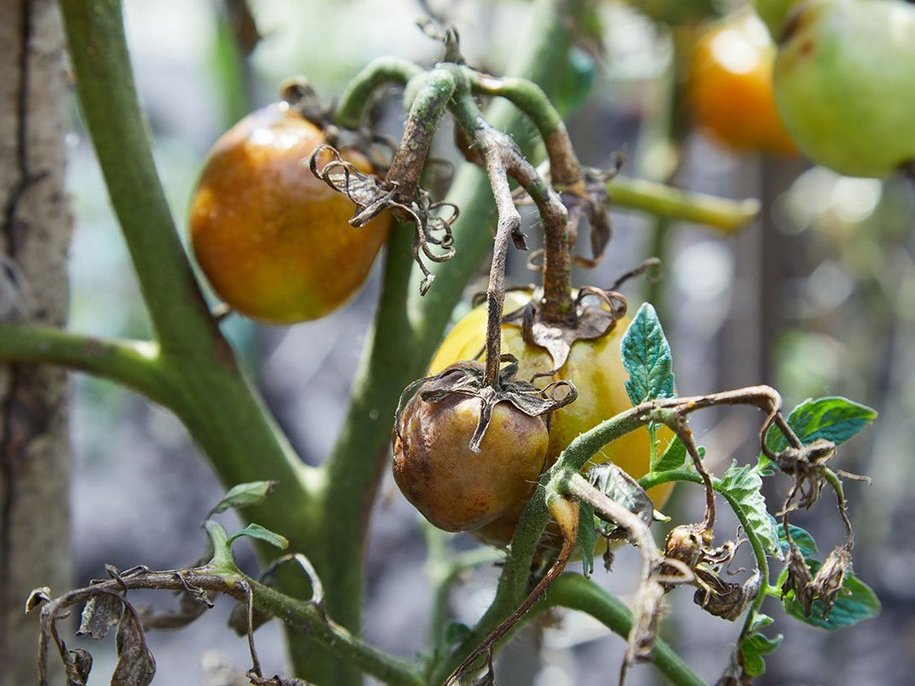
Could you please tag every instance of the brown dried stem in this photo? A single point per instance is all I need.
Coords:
(410, 158)
(557, 269)
(570, 537)
(651, 589)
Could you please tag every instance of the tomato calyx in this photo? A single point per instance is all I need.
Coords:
(595, 313)
(467, 379)
(372, 195)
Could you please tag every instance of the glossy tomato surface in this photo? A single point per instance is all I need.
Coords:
(729, 86)
(272, 239)
(453, 487)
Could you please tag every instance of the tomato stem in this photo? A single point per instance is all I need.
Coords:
(355, 100)
(565, 168)
(425, 113)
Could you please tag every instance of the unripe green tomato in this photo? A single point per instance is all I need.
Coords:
(845, 84)
(596, 369)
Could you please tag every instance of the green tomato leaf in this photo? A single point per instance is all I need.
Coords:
(856, 602)
(587, 537)
(744, 486)
(646, 357)
(802, 538)
(244, 495)
(261, 534)
(834, 418)
(753, 650)
(673, 458)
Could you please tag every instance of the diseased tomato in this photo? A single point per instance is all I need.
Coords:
(272, 239)
(845, 84)
(595, 367)
(453, 487)
(729, 86)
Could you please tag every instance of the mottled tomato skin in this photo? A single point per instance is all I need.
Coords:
(595, 368)
(453, 487)
(272, 239)
(729, 86)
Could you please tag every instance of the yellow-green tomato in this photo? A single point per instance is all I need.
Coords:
(845, 84)
(453, 487)
(596, 369)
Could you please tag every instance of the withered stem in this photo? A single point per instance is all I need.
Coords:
(565, 168)
(568, 545)
(427, 109)
(557, 303)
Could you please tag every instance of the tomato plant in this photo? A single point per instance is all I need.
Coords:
(514, 441)
(272, 240)
(729, 86)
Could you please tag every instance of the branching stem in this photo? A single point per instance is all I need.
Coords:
(357, 97)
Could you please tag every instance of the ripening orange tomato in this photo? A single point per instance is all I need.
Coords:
(272, 239)
(729, 86)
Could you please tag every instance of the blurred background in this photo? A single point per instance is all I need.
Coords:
(816, 297)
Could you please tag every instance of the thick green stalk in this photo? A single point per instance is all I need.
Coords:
(205, 386)
(666, 202)
(107, 95)
(130, 363)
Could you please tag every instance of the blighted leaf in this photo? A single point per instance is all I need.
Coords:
(102, 611)
(244, 495)
(623, 489)
(37, 597)
(136, 665)
(744, 486)
(261, 534)
(646, 357)
(587, 538)
(81, 664)
(801, 537)
(855, 602)
(834, 419)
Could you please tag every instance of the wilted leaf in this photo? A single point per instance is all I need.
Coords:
(261, 534)
(854, 603)
(744, 485)
(102, 611)
(244, 495)
(647, 359)
(136, 665)
(37, 597)
(616, 484)
(80, 664)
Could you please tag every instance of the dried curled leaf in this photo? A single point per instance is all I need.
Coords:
(372, 195)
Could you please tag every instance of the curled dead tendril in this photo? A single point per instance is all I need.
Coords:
(372, 195)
